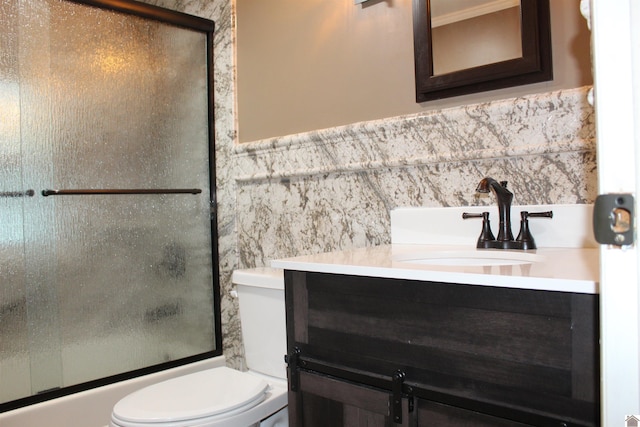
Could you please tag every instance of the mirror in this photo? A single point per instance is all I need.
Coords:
(467, 46)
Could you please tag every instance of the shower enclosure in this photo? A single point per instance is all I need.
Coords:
(108, 261)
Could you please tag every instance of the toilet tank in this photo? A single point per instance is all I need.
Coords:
(262, 314)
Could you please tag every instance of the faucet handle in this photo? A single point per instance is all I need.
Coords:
(467, 215)
(486, 235)
(547, 214)
(524, 237)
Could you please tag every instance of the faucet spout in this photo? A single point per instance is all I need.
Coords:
(504, 198)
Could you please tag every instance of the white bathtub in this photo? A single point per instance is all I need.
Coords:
(92, 408)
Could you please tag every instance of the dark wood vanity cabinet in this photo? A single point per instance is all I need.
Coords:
(387, 352)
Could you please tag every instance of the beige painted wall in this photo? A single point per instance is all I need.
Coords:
(311, 64)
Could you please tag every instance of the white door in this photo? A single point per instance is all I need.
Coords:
(616, 56)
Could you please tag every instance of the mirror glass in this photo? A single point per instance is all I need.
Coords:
(467, 46)
(471, 33)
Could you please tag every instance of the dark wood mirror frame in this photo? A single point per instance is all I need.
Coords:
(534, 66)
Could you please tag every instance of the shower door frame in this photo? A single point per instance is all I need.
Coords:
(206, 26)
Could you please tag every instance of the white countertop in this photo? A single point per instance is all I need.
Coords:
(550, 269)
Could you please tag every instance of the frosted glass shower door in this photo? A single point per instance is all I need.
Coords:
(14, 335)
(107, 260)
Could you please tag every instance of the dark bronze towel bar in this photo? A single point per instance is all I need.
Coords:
(120, 191)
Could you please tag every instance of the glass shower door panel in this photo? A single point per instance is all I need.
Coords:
(36, 88)
(134, 282)
(92, 286)
(30, 357)
(14, 361)
(133, 272)
(130, 101)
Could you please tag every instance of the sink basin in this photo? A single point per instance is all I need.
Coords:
(469, 258)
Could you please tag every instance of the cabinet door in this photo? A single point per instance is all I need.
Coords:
(323, 401)
(492, 349)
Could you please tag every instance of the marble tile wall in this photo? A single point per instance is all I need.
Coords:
(333, 189)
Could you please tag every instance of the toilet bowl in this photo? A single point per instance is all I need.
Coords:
(225, 397)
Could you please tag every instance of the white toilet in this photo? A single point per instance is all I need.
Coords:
(224, 397)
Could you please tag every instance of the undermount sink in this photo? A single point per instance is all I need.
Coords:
(469, 258)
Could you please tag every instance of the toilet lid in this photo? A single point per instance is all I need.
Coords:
(198, 395)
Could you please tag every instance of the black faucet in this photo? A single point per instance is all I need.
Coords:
(504, 198)
(505, 238)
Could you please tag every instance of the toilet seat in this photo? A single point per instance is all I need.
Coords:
(202, 397)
